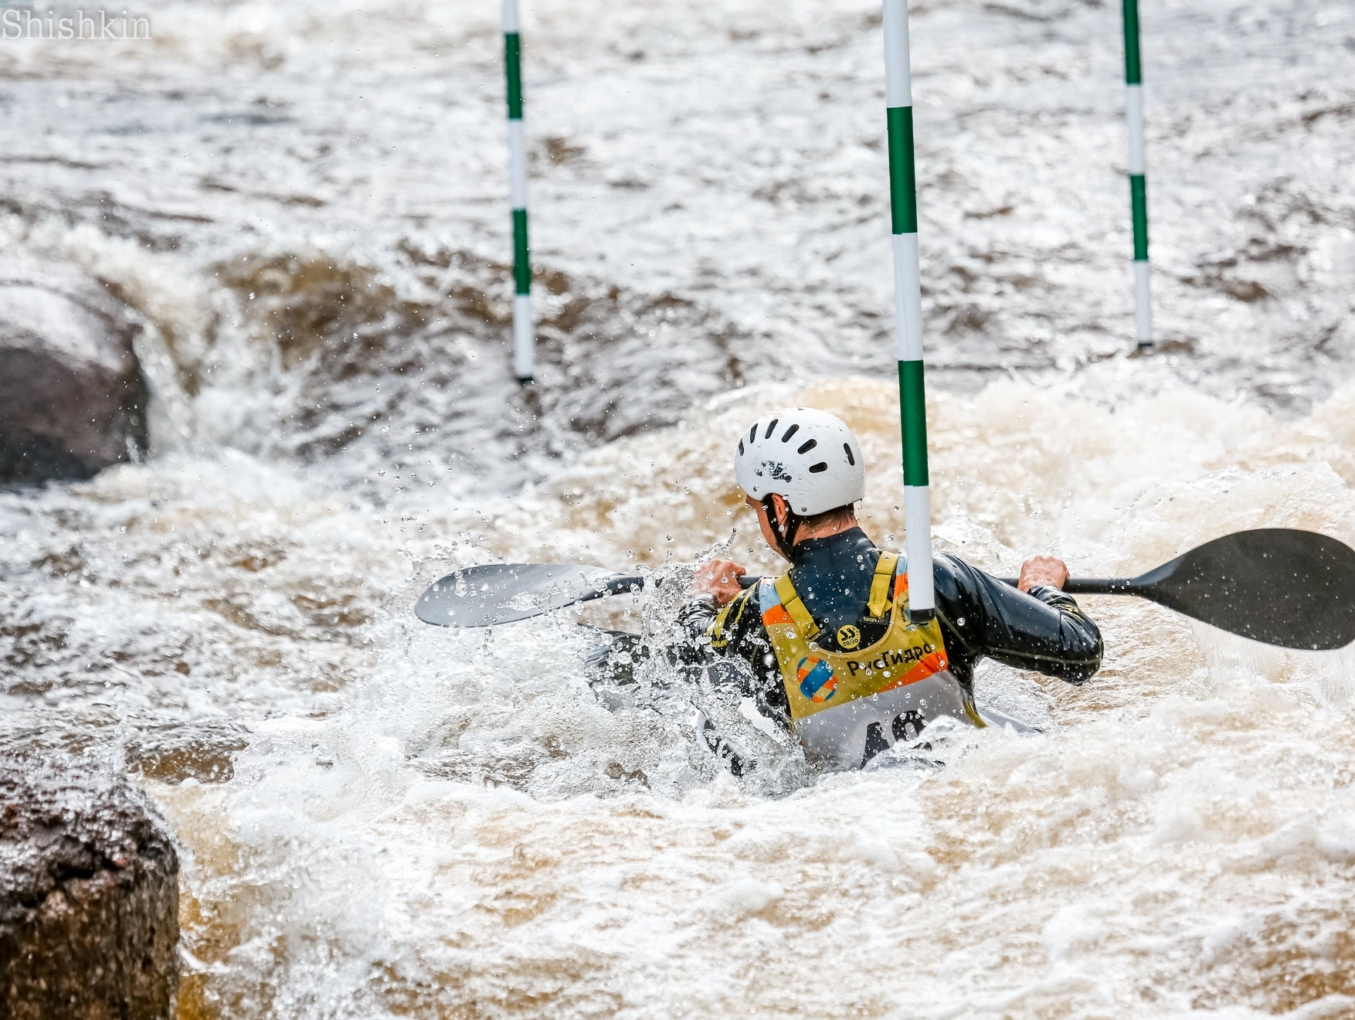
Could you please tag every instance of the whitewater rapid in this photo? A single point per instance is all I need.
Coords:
(382, 819)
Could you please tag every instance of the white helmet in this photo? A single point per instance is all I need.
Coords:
(809, 457)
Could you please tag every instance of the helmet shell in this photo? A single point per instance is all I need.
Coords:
(808, 457)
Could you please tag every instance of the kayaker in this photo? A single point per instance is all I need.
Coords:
(831, 654)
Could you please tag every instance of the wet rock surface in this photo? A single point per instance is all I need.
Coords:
(72, 394)
(89, 895)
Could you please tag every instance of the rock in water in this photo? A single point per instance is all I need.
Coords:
(72, 395)
(89, 895)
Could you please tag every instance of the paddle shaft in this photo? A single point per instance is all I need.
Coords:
(623, 583)
(629, 582)
(1092, 585)
(1073, 586)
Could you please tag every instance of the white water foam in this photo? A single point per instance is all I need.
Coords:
(381, 819)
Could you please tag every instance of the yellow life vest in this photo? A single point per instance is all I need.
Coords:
(847, 706)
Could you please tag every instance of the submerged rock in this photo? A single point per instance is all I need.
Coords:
(89, 895)
(72, 394)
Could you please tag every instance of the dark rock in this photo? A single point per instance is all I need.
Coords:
(72, 394)
(89, 895)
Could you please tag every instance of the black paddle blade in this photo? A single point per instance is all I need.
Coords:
(1295, 589)
(505, 592)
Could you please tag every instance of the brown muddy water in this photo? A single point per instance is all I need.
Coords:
(380, 819)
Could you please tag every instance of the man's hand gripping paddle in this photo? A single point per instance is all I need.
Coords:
(1295, 589)
(507, 592)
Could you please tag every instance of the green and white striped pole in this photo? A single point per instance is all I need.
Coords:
(523, 343)
(917, 505)
(1138, 187)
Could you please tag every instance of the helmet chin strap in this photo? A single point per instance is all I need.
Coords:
(785, 539)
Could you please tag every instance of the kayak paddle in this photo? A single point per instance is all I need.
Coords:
(508, 592)
(1295, 589)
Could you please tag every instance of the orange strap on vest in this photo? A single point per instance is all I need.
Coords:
(790, 601)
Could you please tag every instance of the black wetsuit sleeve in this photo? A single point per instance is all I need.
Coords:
(1044, 631)
(736, 632)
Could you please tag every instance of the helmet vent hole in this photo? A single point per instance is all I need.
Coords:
(806, 447)
(850, 459)
(771, 427)
(752, 434)
(814, 469)
(740, 447)
(790, 432)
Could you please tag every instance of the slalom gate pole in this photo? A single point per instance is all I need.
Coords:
(1138, 186)
(523, 342)
(917, 505)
